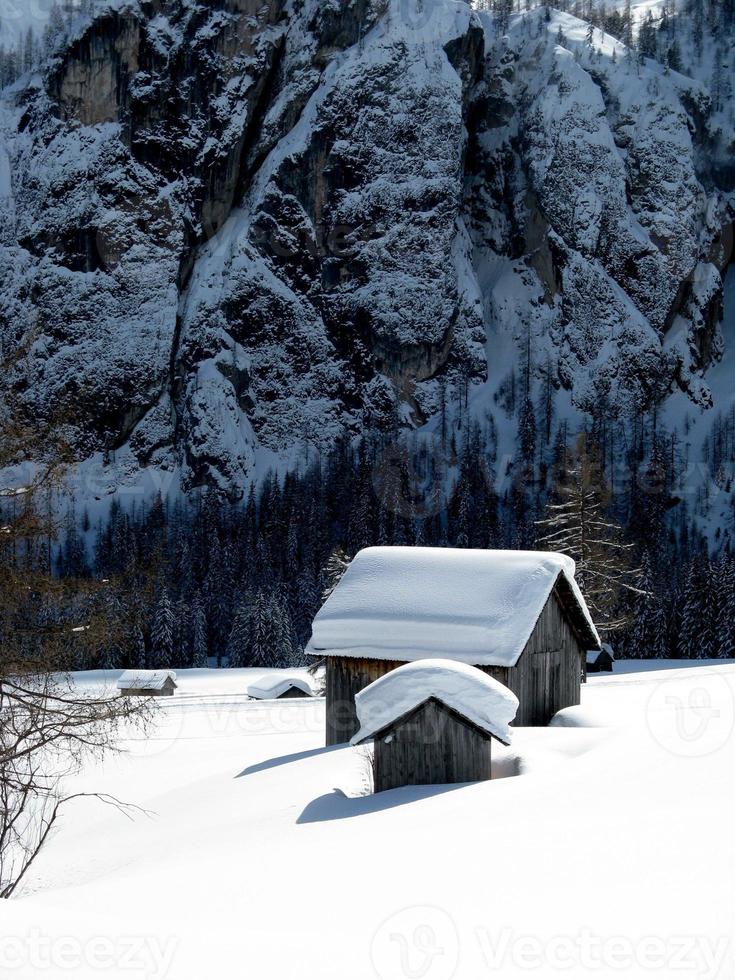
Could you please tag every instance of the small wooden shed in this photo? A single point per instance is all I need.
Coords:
(599, 661)
(147, 683)
(516, 615)
(432, 722)
(275, 686)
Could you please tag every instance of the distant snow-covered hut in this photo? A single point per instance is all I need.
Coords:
(147, 683)
(277, 686)
(516, 615)
(432, 721)
(599, 661)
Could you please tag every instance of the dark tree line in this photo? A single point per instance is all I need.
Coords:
(203, 578)
(35, 47)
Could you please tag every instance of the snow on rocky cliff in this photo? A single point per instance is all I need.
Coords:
(230, 234)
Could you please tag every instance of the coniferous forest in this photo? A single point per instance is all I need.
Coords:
(202, 579)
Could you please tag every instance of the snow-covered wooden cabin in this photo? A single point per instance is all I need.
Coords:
(433, 721)
(147, 683)
(276, 686)
(517, 615)
(599, 661)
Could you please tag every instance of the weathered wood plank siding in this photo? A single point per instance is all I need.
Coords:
(431, 745)
(345, 677)
(546, 678)
(548, 675)
(167, 691)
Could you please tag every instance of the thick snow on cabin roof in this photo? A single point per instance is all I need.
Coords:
(475, 606)
(273, 687)
(477, 697)
(150, 680)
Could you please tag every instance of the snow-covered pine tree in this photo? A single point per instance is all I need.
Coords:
(649, 635)
(182, 635)
(691, 605)
(137, 654)
(725, 630)
(260, 649)
(647, 38)
(283, 645)
(238, 642)
(527, 434)
(673, 57)
(162, 632)
(337, 564)
(198, 634)
(577, 523)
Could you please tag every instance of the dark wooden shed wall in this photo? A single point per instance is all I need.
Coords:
(294, 692)
(546, 678)
(548, 675)
(603, 663)
(345, 677)
(430, 745)
(166, 691)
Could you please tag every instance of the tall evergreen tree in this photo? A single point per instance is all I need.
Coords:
(162, 632)
(198, 628)
(238, 643)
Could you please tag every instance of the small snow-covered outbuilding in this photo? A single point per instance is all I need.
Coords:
(277, 686)
(599, 661)
(516, 615)
(147, 683)
(432, 721)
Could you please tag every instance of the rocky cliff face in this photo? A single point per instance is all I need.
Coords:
(231, 230)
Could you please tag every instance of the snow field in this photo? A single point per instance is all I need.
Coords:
(262, 856)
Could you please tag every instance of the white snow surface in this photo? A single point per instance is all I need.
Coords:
(480, 699)
(472, 605)
(606, 834)
(152, 680)
(276, 684)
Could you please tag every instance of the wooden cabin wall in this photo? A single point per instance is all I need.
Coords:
(431, 745)
(345, 676)
(548, 675)
(146, 692)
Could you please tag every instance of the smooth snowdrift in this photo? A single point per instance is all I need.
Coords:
(150, 680)
(602, 858)
(275, 685)
(478, 698)
(476, 606)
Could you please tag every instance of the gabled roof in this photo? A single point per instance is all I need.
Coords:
(275, 685)
(476, 606)
(149, 680)
(475, 696)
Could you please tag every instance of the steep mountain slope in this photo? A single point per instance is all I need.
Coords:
(232, 232)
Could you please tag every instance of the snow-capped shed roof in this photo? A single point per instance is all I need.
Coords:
(475, 696)
(149, 680)
(594, 655)
(476, 606)
(275, 685)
